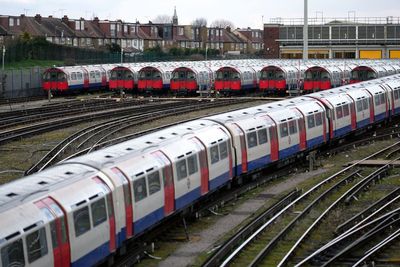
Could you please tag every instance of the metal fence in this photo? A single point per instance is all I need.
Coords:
(21, 83)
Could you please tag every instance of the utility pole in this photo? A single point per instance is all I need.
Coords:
(122, 55)
(305, 31)
(3, 75)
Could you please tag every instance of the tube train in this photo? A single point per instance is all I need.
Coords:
(225, 76)
(82, 211)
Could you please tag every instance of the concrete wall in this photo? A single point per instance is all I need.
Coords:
(21, 83)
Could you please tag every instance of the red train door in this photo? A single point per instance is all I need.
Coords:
(243, 148)
(111, 215)
(85, 79)
(59, 231)
(353, 115)
(371, 109)
(302, 133)
(273, 135)
(205, 175)
(169, 189)
(127, 201)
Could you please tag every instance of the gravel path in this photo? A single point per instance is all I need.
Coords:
(186, 254)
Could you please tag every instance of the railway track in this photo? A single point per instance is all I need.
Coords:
(101, 134)
(283, 243)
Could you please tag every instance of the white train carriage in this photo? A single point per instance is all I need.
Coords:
(66, 218)
(317, 125)
(381, 99)
(343, 115)
(361, 113)
(393, 86)
(290, 129)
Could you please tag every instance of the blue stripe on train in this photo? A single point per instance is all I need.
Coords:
(258, 163)
(342, 131)
(218, 181)
(380, 117)
(315, 141)
(148, 220)
(287, 152)
(363, 123)
(93, 256)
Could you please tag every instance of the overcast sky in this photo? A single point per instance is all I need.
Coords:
(243, 13)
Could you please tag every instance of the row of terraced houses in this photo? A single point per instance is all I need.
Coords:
(282, 38)
(132, 37)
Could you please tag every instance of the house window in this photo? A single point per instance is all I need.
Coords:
(11, 22)
(125, 28)
(180, 31)
(133, 29)
(17, 22)
(77, 25)
(118, 27)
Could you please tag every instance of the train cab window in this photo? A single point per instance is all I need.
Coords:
(365, 104)
(99, 213)
(223, 150)
(73, 76)
(36, 244)
(284, 129)
(214, 154)
(181, 169)
(81, 221)
(192, 164)
(13, 254)
(346, 110)
(310, 121)
(318, 119)
(252, 139)
(292, 127)
(154, 182)
(339, 112)
(262, 136)
(140, 189)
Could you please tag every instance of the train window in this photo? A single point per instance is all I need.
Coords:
(154, 182)
(36, 244)
(81, 221)
(339, 112)
(214, 154)
(99, 213)
(377, 100)
(252, 139)
(318, 119)
(192, 164)
(13, 254)
(359, 106)
(396, 94)
(223, 150)
(292, 127)
(310, 121)
(346, 110)
(139, 187)
(284, 129)
(262, 136)
(79, 75)
(97, 74)
(53, 231)
(382, 97)
(92, 75)
(181, 169)
(365, 103)
(73, 76)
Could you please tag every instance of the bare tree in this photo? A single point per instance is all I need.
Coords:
(200, 22)
(222, 23)
(162, 19)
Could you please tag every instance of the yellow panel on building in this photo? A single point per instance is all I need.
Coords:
(394, 53)
(370, 54)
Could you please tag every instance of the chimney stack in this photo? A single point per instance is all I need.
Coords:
(38, 18)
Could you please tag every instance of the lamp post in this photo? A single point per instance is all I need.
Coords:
(305, 31)
(122, 57)
(3, 76)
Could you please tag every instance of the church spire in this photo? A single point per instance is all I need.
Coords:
(175, 17)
